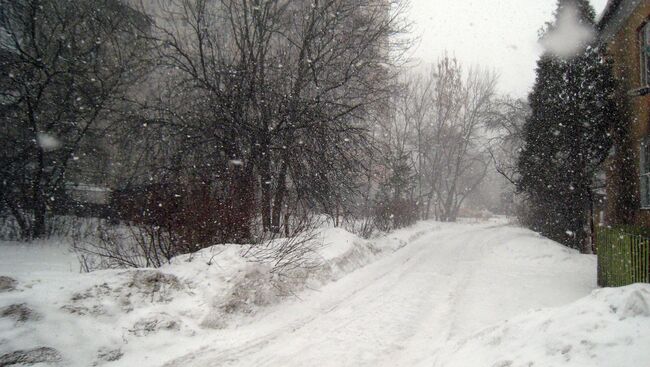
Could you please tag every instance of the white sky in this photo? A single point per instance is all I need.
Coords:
(497, 34)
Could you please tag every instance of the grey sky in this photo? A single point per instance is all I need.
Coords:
(498, 34)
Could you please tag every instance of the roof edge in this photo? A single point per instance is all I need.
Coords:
(606, 15)
(616, 13)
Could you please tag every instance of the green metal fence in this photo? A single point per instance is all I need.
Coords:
(623, 257)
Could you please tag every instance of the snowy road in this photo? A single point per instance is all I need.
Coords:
(448, 283)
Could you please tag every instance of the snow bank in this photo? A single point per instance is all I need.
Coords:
(51, 313)
(607, 328)
(18, 258)
(422, 305)
(446, 282)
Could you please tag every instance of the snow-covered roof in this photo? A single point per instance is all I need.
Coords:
(614, 17)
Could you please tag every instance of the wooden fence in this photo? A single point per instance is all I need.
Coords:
(623, 257)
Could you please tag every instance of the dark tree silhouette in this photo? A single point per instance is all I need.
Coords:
(567, 136)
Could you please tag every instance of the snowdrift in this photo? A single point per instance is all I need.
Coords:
(608, 328)
(52, 315)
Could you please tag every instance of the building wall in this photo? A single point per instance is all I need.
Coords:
(624, 49)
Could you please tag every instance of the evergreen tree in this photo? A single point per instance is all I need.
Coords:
(567, 136)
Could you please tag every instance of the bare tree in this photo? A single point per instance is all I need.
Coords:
(65, 65)
(275, 94)
(439, 132)
(506, 125)
(461, 139)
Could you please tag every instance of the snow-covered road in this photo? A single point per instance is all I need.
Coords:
(450, 282)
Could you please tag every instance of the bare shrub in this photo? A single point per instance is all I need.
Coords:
(127, 246)
(196, 213)
(394, 214)
(363, 226)
(297, 250)
(66, 226)
(146, 245)
(9, 229)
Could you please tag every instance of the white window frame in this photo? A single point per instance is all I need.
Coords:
(644, 52)
(644, 174)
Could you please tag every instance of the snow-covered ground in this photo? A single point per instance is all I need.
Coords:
(434, 294)
(610, 327)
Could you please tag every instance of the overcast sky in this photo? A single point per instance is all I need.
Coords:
(498, 34)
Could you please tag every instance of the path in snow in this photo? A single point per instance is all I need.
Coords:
(399, 310)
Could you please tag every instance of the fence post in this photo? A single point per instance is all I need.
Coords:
(599, 267)
(643, 261)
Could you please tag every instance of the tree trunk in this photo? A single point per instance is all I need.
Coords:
(336, 218)
(278, 200)
(265, 187)
(429, 199)
(23, 224)
(287, 231)
(592, 226)
(39, 206)
(39, 218)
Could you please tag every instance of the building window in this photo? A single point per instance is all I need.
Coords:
(644, 170)
(644, 37)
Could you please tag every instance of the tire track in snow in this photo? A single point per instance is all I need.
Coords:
(372, 292)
